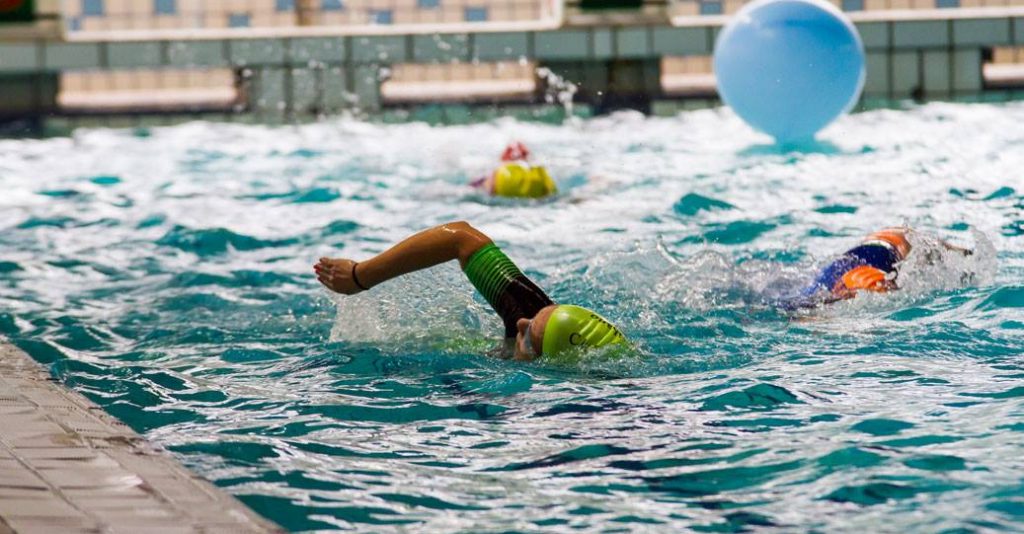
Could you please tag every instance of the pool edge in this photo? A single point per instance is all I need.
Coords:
(68, 465)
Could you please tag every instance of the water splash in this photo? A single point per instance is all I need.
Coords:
(558, 90)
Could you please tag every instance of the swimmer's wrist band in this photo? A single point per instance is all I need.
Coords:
(355, 279)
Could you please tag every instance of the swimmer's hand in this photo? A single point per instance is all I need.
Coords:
(337, 275)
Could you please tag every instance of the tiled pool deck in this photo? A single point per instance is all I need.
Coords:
(66, 466)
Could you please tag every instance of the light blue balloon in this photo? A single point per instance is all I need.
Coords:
(789, 67)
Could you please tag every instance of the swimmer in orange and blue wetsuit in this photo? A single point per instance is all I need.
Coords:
(870, 266)
(516, 177)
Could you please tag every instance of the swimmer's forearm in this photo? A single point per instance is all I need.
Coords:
(457, 240)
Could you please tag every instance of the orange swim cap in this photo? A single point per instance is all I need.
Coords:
(867, 278)
(515, 151)
(896, 237)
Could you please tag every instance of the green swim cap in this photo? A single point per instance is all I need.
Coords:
(572, 326)
(518, 180)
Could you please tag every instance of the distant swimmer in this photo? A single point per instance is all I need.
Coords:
(516, 177)
(534, 325)
(873, 266)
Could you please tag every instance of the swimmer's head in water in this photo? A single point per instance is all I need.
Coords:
(895, 237)
(515, 151)
(560, 328)
(522, 181)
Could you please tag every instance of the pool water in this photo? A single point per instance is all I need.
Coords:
(167, 275)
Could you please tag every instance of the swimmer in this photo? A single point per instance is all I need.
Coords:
(516, 177)
(873, 266)
(534, 324)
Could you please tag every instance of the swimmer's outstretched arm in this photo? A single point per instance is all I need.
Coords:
(455, 240)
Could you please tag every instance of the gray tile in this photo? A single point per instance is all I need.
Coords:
(90, 478)
(633, 43)
(197, 53)
(905, 73)
(268, 91)
(306, 89)
(70, 56)
(442, 48)
(563, 44)
(118, 502)
(603, 42)
(995, 31)
(257, 51)
(42, 525)
(19, 57)
(877, 67)
(322, 49)
(42, 492)
(366, 83)
(336, 95)
(52, 507)
(920, 34)
(134, 54)
(874, 34)
(936, 67)
(71, 453)
(967, 70)
(682, 41)
(379, 49)
(495, 46)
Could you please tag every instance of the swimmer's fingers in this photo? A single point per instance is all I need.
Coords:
(336, 275)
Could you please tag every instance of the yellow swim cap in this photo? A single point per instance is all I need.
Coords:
(518, 180)
(572, 326)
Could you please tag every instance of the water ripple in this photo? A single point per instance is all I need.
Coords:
(167, 277)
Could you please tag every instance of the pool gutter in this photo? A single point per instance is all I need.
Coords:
(68, 466)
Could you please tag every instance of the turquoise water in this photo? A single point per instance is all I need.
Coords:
(166, 274)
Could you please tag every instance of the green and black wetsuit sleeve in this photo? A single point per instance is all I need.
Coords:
(506, 288)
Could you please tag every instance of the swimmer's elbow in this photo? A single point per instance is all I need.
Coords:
(468, 239)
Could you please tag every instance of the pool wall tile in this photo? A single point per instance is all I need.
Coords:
(440, 47)
(564, 44)
(874, 34)
(495, 46)
(632, 43)
(877, 67)
(121, 55)
(920, 34)
(336, 94)
(603, 42)
(17, 57)
(379, 49)
(197, 53)
(905, 70)
(681, 41)
(366, 84)
(936, 70)
(967, 70)
(258, 51)
(322, 49)
(269, 91)
(305, 92)
(71, 55)
(981, 31)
